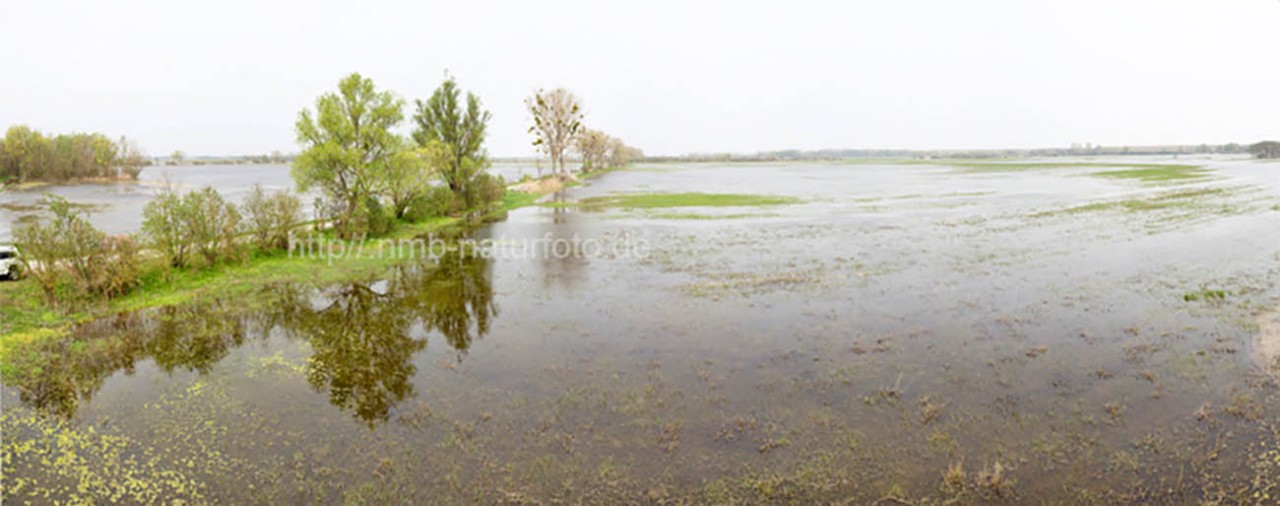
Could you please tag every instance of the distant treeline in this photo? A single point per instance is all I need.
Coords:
(180, 158)
(29, 155)
(841, 154)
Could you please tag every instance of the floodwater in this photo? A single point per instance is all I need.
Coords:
(117, 208)
(907, 333)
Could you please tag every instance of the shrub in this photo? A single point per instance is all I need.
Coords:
(214, 225)
(200, 223)
(271, 217)
(438, 201)
(379, 219)
(120, 268)
(164, 222)
(484, 192)
(70, 259)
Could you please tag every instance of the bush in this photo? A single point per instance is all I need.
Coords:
(121, 268)
(378, 219)
(214, 225)
(71, 260)
(438, 201)
(271, 217)
(198, 223)
(484, 192)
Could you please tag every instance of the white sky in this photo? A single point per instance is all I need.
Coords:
(672, 77)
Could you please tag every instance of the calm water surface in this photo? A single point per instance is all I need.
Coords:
(901, 321)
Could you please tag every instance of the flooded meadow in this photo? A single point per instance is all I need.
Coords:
(876, 332)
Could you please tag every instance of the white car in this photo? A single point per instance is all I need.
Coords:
(10, 266)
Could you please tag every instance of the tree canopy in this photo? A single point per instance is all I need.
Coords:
(348, 141)
(461, 132)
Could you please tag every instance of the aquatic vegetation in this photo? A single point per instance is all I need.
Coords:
(897, 355)
(686, 199)
(1146, 172)
(47, 458)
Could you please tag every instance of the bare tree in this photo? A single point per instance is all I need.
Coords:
(557, 118)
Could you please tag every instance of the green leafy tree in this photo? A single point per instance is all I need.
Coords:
(443, 119)
(409, 174)
(347, 141)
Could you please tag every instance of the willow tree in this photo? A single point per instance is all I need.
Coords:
(346, 143)
(557, 118)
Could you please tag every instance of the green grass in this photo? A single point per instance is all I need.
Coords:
(673, 200)
(1205, 294)
(1183, 199)
(1157, 173)
(705, 216)
(1144, 172)
(25, 316)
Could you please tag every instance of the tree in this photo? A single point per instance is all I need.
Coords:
(131, 158)
(441, 119)
(410, 172)
(593, 147)
(177, 157)
(557, 118)
(1265, 149)
(620, 154)
(347, 141)
(28, 155)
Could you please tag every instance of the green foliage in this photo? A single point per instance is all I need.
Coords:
(214, 225)
(409, 175)
(347, 143)
(437, 201)
(377, 219)
(28, 155)
(441, 119)
(71, 260)
(271, 217)
(164, 223)
(200, 224)
(484, 192)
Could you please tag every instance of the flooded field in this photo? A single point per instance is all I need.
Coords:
(117, 208)
(889, 333)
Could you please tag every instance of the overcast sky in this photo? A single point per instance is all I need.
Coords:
(229, 76)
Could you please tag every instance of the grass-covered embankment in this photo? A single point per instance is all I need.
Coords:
(26, 317)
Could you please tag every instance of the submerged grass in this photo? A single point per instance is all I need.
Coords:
(1144, 172)
(673, 200)
(1207, 200)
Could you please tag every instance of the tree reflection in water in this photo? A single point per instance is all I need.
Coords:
(363, 337)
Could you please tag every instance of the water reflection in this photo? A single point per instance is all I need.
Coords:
(566, 268)
(363, 337)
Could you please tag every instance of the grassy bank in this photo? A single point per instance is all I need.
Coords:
(25, 317)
